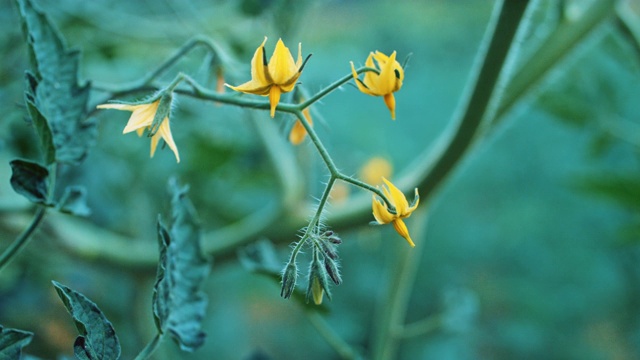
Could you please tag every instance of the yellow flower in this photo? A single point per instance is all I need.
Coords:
(298, 132)
(402, 209)
(273, 78)
(384, 84)
(141, 120)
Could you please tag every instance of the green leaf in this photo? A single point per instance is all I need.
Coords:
(39, 122)
(53, 93)
(74, 201)
(97, 338)
(12, 341)
(30, 180)
(178, 303)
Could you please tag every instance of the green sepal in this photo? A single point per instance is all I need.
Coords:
(164, 110)
(74, 201)
(12, 341)
(30, 180)
(53, 90)
(97, 340)
(179, 305)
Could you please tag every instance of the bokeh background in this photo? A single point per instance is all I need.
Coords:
(531, 247)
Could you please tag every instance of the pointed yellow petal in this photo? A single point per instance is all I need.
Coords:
(299, 61)
(401, 228)
(387, 78)
(371, 79)
(117, 106)
(141, 117)
(140, 131)
(281, 65)
(274, 98)
(398, 198)
(361, 86)
(390, 100)
(259, 66)
(251, 87)
(380, 212)
(165, 132)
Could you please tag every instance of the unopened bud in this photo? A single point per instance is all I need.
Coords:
(289, 277)
(332, 270)
(329, 250)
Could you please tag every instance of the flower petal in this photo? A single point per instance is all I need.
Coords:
(259, 66)
(274, 98)
(401, 228)
(387, 78)
(117, 106)
(141, 117)
(361, 86)
(380, 212)
(390, 100)
(298, 132)
(252, 87)
(164, 132)
(398, 198)
(281, 65)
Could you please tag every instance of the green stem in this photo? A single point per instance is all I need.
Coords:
(322, 93)
(422, 327)
(344, 350)
(150, 348)
(315, 220)
(148, 78)
(23, 239)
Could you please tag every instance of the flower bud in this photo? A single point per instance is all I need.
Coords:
(332, 270)
(289, 277)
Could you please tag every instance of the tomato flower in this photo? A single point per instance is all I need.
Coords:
(388, 81)
(142, 118)
(383, 215)
(277, 76)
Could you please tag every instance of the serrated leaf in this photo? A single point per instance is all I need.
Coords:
(178, 303)
(30, 180)
(97, 338)
(12, 341)
(74, 201)
(53, 90)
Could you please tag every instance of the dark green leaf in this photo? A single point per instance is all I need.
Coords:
(53, 93)
(178, 303)
(39, 122)
(97, 338)
(74, 201)
(30, 180)
(12, 341)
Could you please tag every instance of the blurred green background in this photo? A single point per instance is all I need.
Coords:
(532, 245)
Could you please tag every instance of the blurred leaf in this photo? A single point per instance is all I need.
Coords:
(624, 189)
(53, 93)
(97, 338)
(74, 201)
(260, 256)
(178, 303)
(12, 341)
(30, 180)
